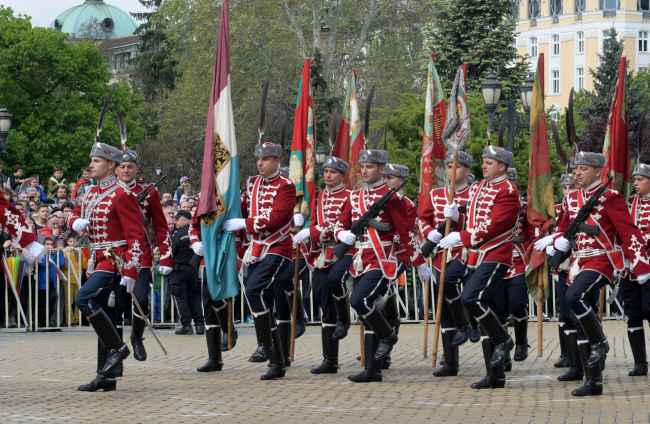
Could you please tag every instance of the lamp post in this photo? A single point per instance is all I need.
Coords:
(491, 91)
(526, 91)
(321, 154)
(5, 125)
(158, 170)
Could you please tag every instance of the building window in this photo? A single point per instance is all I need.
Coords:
(643, 41)
(643, 69)
(555, 45)
(610, 4)
(580, 42)
(123, 60)
(643, 5)
(555, 7)
(580, 78)
(534, 9)
(580, 6)
(532, 46)
(555, 82)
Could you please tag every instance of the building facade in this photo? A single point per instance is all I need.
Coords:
(570, 33)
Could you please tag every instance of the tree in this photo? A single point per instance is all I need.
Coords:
(55, 90)
(481, 33)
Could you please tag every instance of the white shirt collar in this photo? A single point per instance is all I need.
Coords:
(460, 187)
(272, 176)
(593, 186)
(131, 184)
(335, 188)
(497, 180)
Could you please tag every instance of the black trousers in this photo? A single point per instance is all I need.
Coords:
(262, 278)
(636, 298)
(209, 317)
(456, 274)
(446, 321)
(481, 287)
(282, 310)
(368, 289)
(184, 286)
(514, 297)
(582, 296)
(338, 276)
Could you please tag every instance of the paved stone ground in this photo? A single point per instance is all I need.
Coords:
(39, 374)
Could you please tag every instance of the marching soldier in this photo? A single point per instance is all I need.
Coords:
(598, 256)
(489, 220)
(14, 222)
(112, 215)
(636, 295)
(320, 259)
(432, 217)
(267, 206)
(151, 213)
(375, 262)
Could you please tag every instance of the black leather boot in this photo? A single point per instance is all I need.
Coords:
(222, 317)
(276, 369)
(137, 331)
(637, 344)
(116, 350)
(495, 377)
(521, 340)
(284, 334)
(450, 369)
(301, 322)
(184, 331)
(463, 324)
(503, 343)
(342, 306)
(575, 371)
(264, 338)
(395, 323)
(475, 330)
(213, 339)
(372, 371)
(593, 330)
(99, 383)
(383, 331)
(119, 371)
(200, 329)
(330, 364)
(594, 380)
(562, 361)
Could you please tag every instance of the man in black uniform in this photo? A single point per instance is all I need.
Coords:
(183, 281)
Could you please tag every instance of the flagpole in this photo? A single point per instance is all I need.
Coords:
(230, 323)
(296, 278)
(601, 303)
(427, 292)
(540, 312)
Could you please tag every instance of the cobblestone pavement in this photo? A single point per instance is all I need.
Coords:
(40, 372)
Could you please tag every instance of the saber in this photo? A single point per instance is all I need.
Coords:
(144, 317)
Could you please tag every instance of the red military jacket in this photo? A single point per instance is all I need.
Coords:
(14, 222)
(522, 236)
(639, 207)
(267, 206)
(322, 241)
(433, 216)
(115, 221)
(411, 238)
(490, 218)
(151, 209)
(377, 250)
(613, 219)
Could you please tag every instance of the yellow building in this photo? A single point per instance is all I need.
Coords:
(570, 33)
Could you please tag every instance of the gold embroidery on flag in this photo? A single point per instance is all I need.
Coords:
(221, 159)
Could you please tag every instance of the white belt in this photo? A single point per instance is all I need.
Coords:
(106, 244)
(368, 245)
(587, 253)
(515, 253)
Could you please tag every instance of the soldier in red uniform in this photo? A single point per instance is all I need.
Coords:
(375, 261)
(319, 242)
(456, 271)
(14, 222)
(112, 216)
(636, 295)
(394, 176)
(151, 214)
(489, 220)
(267, 206)
(598, 256)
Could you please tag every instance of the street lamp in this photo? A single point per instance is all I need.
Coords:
(158, 170)
(527, 94)
(5, 125)
(491, 92)
(321, 154)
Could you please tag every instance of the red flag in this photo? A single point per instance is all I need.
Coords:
(349, 141)
(616, 147)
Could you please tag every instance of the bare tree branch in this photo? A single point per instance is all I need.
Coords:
(296, 29)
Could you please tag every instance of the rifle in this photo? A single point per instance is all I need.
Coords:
(428, 246)
(578, 225)
(144, 193)
(367, 220)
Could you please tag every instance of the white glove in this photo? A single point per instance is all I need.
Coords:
(298, 220)
(451, 240)
(36, 251)
(234, 224)
(165, 270)
(451, 211)
(80, 225)
(424, 272)
(643, 278)
(26, 256)
(302, 234)
(434, 236)
(562, 244)
(129, 283)
(550, 250)
(542, 243)
(197, 247)
(347, 237)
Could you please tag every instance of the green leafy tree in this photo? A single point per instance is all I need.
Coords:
(55, 90)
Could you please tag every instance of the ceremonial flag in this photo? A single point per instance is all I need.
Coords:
(220, 197)
(616, 147)
(432, 163)
(301, 165)
(541, 206)
(349, 141)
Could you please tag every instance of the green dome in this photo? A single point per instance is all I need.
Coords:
(95, 19)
